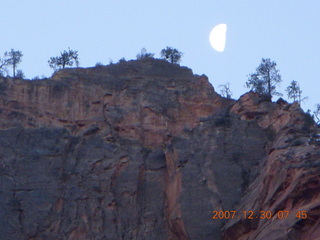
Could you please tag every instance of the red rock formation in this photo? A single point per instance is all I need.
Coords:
(289, 181)
(147, 150)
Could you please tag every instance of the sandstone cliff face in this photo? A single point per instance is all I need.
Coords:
(289, 178)
(147, 150)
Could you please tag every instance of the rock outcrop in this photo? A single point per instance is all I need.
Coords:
(148, 150)
(288, 186)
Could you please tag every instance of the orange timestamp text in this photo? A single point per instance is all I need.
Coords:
(259, 215)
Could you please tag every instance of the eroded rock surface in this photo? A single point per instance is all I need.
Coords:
(289, 181)
(147, 150)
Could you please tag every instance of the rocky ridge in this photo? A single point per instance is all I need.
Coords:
(147, 150)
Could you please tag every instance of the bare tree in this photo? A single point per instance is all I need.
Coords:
(317, 114)
(3, 66)
(225, 91)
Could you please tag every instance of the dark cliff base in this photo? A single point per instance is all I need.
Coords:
(147, 150)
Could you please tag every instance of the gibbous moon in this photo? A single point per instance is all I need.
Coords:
(218, 36)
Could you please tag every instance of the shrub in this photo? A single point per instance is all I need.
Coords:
(99, 64)
(20, 74)
(122, 60)
(144, 54)
(222, 122)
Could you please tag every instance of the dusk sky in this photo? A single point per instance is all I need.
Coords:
(287, 32)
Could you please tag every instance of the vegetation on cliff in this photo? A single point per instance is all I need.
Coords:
(263, 81)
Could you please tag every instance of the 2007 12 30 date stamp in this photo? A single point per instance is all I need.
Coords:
(257, 215)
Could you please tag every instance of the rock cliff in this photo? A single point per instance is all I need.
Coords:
(148, 150)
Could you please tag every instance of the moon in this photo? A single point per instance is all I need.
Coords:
(218, 36)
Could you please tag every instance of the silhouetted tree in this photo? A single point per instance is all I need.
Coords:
(144, 54)
(66, 58)
(171, 54)
(225, 91)
(265, 79)
(13, 58)
(10, 58)
(295, 92)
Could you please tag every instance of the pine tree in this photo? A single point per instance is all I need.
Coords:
(294, 92)
(265, 79)
(13, 58)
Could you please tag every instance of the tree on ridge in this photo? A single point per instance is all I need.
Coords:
(294, 92)
(225, 91)
(171, 54)
(265, 79)
(13, 58)
(66, 58)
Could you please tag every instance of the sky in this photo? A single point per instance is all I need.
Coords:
(287, 32)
